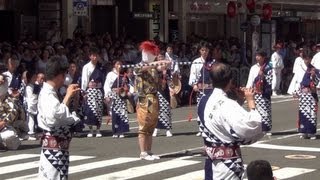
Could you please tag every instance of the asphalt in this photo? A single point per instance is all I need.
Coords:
(180, 154)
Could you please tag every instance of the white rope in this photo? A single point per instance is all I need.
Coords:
(158, 64)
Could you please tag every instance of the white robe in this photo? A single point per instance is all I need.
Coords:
(299, 69)
(277, 65)
(56, 120)
(86, 73)
(195, 71)
(111, 77)
(222, 127)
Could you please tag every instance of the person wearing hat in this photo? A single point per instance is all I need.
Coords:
(92, 85)
(277, 65)
(299, 68)
(260, 79)
(147, 85)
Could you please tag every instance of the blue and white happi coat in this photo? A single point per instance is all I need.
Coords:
(119, 112)
(263, 96)
(308, 102)
(93, 105)
(224, 129)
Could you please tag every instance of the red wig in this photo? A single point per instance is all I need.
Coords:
(150, 47)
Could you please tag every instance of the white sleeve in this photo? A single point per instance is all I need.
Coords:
(31, 100)
(296, 65)
(192, 77)
(250, 79)
(247, 125)
(84, 78)
(56, 113)
(107, 85)
(176, 67)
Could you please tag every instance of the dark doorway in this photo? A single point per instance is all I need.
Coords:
(102, 19)
(7, 26)
(173, 30)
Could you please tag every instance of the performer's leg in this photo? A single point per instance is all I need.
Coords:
(148, 143)
(98, 133)
(90, 134)
(149, 147)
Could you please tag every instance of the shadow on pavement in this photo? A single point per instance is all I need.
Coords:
(184, 154)
(284, 133)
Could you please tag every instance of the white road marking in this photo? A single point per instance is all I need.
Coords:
(33, 164)
(87, 166)
(139, 171)
(17, 157)
(195, 175)
(286, 148)
(289, 172)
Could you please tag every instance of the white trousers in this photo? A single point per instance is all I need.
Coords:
(276, 80)
(31, 122)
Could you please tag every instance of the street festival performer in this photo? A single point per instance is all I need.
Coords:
(147, 84)
(56, 121)
(308, 98)
(223, 132)
(199, 75)
(260, 79)
(116, 91)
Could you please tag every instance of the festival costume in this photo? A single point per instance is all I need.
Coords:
(92, 83)
(277, 65)
(31, 98)
(308, 102)
(148, 104)
(119, 114)
(14, 116)
(223, 133)
(56, 121)
(165, 120)
(263, 92)
(298, 70)
(199, 74)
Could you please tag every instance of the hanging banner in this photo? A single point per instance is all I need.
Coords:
(80, 7)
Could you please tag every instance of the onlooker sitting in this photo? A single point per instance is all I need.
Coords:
(8, 116)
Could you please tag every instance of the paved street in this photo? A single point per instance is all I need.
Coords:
(181, 155)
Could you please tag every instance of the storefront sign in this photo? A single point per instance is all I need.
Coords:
(156, 19)
(142, 15)
(80, 7)
(200, 6)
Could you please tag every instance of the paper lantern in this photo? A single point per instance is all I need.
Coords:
(267, 11)
(251, 4)
(232, 9)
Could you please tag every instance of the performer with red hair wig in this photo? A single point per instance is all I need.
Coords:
(147, 84)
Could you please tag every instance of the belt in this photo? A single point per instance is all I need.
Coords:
(223, 152)
(93, 84)
(53, 142)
